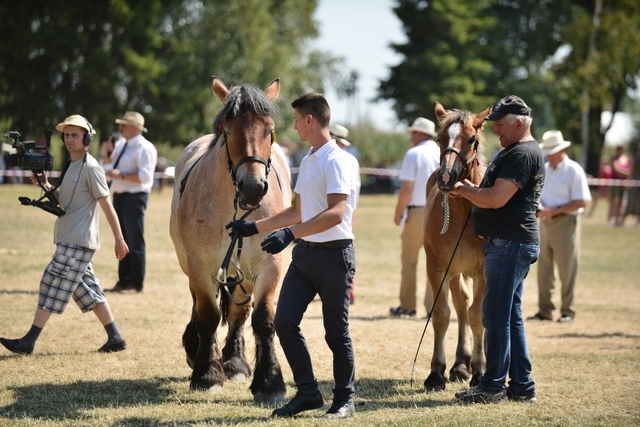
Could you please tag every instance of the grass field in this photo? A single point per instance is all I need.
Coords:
(587, 372)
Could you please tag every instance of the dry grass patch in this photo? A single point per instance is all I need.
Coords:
(586, 372)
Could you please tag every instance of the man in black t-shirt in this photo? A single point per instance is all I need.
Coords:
(504, 213)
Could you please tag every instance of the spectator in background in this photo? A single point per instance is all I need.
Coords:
(633, 202)
(340, 134)
(417, 166)
(564, 196)
(605, 172)
(131, 166)
(621, 167)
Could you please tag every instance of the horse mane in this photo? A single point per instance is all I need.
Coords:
(239, 102)
(466, 119)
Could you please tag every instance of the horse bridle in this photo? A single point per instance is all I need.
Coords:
(465, 163)
(236, 236)
(234, 168)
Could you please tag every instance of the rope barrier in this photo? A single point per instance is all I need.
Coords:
(363, 171)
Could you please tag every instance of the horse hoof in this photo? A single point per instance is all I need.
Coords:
(434, 383)
(239, 378)
(459, 374)
(268, 399)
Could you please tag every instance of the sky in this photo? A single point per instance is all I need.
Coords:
(360, 31)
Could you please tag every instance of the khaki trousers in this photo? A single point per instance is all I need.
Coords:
(559, 245)
(412, 243)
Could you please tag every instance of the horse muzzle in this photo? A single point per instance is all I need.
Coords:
(251, 190)
(447, 179)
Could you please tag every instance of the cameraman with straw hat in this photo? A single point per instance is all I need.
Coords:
(131, 166)
(81, 187)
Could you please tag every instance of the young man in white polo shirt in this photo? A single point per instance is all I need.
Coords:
(323, 263)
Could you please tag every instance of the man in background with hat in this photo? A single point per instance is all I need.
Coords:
(504, 214)
(340, 134)
(417, 166)
(131, 166)
(564, 196)
(81, 188)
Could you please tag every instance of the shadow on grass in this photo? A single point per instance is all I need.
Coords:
(58, 402)
(598, 336)
(17, 291)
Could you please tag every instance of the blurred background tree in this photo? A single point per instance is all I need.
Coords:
(569, 59)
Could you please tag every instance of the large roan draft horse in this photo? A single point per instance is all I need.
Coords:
(447, 221)
(238, 166)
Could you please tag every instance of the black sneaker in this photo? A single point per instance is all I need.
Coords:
(477, 395)
(401, 312)
(299, 403)
(539, 317)
(524, 398)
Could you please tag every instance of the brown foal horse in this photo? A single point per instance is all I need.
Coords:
(239, 166)
(453, 249)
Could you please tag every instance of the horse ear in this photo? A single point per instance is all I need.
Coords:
(219, 89)
(440, 111)
(481, 117)
(273, 90)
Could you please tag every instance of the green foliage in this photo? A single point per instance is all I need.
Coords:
(443, 60)
(154, 56)
(378, 148)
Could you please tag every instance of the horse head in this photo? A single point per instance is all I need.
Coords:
(245, 126)
(461, 142)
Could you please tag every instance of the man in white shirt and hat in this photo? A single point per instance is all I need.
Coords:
(131, 166)
(340, 134)
(564, 196)
(417, 166)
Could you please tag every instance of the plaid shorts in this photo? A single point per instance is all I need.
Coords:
(70, 273)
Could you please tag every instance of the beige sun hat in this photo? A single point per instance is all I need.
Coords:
(340, 133)
(423, 125)
(76, 120)
(552, 142)
(132, 118)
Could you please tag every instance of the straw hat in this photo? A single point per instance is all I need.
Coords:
(423, 125)
(76, 120)
(132, 118)
(340, 133)
(552, 142)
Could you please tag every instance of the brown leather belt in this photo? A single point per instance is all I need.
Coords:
(414, 207)
(331, 244)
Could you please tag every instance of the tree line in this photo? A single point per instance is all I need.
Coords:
(569, 59)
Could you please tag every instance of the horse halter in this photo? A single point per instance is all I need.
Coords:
(234, 168)
(465, 163)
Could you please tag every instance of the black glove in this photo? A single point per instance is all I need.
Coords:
(247, 228)
(277, 241)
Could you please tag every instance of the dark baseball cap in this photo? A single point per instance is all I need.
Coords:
(509, 105)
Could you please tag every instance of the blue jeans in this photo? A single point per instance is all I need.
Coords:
(506, 264)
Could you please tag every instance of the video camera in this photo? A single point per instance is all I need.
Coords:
(31, 155)
(34, 156)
